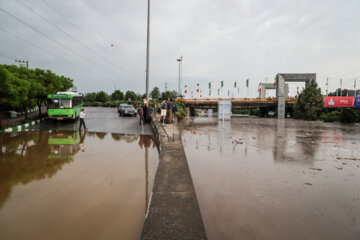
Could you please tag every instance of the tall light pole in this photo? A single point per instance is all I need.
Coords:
(180, 75)
(147, 51)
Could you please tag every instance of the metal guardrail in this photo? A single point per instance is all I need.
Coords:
(234, 100)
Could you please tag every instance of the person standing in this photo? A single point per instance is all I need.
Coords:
(170, 110)
(154, 107)
(163, 110)
(82, 121)
(174, 110)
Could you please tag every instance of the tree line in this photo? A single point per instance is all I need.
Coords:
(118, 96)
(22, 88)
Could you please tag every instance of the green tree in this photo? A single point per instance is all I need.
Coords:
(117, 95)
(41, 83)
(169, 94)
(155, 93)
(90, 97)
(309, 103)
(130, 95)
(101, 97)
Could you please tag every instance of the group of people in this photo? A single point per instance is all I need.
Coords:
(145, 114)
(168, 111)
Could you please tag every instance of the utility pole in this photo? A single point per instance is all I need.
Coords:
(23, 61)
(147, 51)
(180, 75)
(166, 87)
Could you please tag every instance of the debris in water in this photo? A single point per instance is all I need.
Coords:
(317, 169)
(340, 168)
(354, 159)
(309, 184)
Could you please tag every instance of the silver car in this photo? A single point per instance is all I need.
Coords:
(126, 109)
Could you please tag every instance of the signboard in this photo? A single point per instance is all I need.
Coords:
(338, 101)
(357, 102)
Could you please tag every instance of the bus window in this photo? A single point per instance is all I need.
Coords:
(65, 103)
(53, 103)
(56, 103)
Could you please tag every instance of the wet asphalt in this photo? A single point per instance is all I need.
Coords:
(99, 119)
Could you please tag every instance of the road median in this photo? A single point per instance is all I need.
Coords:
(174, 211)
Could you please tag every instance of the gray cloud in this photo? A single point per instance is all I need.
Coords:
(228, 40)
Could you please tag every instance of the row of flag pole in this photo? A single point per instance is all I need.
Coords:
(198, 90)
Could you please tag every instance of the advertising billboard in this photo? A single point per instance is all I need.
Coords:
(357, 102)
(338, 101)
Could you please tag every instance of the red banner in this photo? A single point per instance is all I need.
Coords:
(338, 101)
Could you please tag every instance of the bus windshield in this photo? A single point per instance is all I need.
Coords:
(56, 103)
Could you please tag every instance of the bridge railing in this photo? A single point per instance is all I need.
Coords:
(234, 100)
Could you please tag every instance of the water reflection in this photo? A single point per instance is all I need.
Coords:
(35, 155)
(248, 172)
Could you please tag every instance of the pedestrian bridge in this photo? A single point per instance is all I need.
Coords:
(237, 103)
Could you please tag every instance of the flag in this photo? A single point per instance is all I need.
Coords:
(259, 89)
(185, 89)
(200, 93)
(274, 84)
(222, 83)
(247, 83)
(297, 90)
(198, 87)
(235, 84)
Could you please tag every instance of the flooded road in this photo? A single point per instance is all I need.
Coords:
(275, 179)
(71, 185)
(99, 119)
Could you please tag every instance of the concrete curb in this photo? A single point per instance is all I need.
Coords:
(173, 211)
(22, 127)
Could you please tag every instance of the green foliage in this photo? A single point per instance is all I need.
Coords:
(169, 94)
(130, 95)
(101, 97)
(22, 88)
(117, 95)
(90, 97)
(241, 111)
(348, 115)
(155, 93)
(309, 103)
(331, 116)
(254, 111)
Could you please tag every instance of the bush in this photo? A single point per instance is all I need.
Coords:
(241, 111)
(348, 116)
(254, 111)
(106, 104)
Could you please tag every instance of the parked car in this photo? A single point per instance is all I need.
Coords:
(126, 109)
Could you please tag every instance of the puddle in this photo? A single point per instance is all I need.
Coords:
(71, 185)
(275, 179)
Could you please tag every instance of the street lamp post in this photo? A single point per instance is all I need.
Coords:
(180, 74)
(147, 51)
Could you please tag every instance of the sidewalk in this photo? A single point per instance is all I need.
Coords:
(174, 211)
(10, 122)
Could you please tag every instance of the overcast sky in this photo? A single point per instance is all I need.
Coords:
(227, 40)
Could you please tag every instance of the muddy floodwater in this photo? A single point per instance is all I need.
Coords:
(258, 178)
(71, 185)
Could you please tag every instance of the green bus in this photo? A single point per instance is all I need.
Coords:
(64, 105)
(64, 145)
